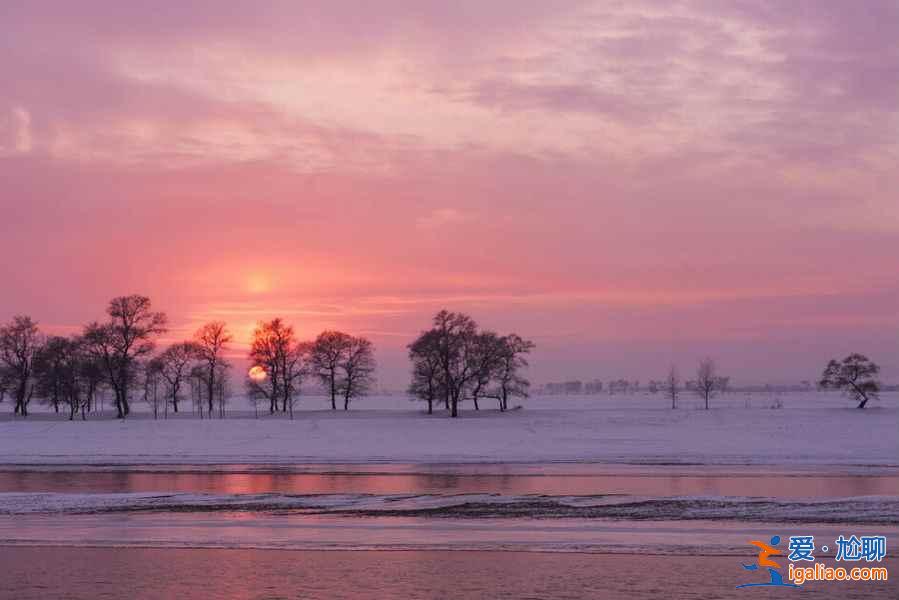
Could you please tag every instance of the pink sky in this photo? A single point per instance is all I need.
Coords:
(629, 184)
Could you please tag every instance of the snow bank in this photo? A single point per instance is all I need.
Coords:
(816, 429)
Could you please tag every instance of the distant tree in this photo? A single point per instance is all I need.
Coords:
(593, 387)
(328, 351)
(708, 383)
(672, 386)
(174, 365)
(52, 370)
(276, 350)
(81, 385)
(210, 342)
(575, 386)
(509, 379)
(125, 338)
(427, 383)
(61, 376)
(453, 359)
(357, 369)
(197, 383)
(455, 342)
(222, 389)
(150, 376)
(20, 342)
(486, 359)
(855, 376)
(92, 376)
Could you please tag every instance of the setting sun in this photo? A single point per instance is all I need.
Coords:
(257, 373)
(258, 283)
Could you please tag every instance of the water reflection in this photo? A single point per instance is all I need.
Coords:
(203, 574)
(651, 483)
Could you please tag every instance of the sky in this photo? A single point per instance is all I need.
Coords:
(629, 184)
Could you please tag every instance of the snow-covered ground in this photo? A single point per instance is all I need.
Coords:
(809, 429)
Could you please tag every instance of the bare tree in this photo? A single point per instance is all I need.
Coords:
(197, 382)
(455, 343)
(357, 370)
(510, 381)
(91, 374)
(210, 342)
(328, 351)
(672, 386)
(453, 358)
(52, 372)
(174, 365)
(426, 383)
(277, 352)
(20, 341)
(486, 359)
(151, 373)
(855, 376)
(222, 389)
(708, 383)
(60, 376)
(125, 338)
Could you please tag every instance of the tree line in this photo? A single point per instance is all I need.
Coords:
(118, 354)
(452, 362)
(855, 376)
(342, 363)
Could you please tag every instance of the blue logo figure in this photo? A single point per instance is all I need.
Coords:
(765, 551)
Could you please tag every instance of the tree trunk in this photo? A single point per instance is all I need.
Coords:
(126, 407)
(862, 403)
(333, 391)
(430, 406)
(210, 387)
(21, 399)
(346, 402)
(476, 407)
(118, 404)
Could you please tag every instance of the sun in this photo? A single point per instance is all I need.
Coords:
(257, 373)
(258, 283)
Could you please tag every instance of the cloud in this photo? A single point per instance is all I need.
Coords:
(593, 167)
